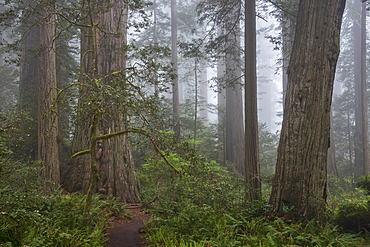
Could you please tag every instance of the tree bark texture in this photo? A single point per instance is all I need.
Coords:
(361, 139)
(48, 125)
(113, 156)
(234, 99)
(300, 178)
(288, 23)
(252, 161)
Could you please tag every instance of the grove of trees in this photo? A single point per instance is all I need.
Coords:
(159, 102)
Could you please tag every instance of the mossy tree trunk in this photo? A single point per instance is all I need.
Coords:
(48, 126)
(112, 155)
(300, 179)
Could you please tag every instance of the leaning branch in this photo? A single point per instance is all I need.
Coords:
(81, 153)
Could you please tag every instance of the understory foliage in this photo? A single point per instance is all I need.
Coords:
(202, 205)
(30, 218)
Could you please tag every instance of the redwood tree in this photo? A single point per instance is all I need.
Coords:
(234, 98)
(175, 81)
(113, 156)
(361, 137)
(252, 161)
(48, 127)
(300, 178)
(28, 86)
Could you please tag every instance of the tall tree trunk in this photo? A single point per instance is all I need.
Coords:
(221, 106)
(196, 99)
(221, 102)
(300, 178)
(113, 156)
(28, 88)
(234, 102)
(155, 40)
(365, 119)
(175, 81)
(203, 111)
(361, 138)
(48, 124)
(252, 161)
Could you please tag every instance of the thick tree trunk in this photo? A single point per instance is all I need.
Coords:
(113, 156)
(288, 23)
(48, 125)
(300, 178)
(252, 161)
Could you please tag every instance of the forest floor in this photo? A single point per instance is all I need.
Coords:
(123, 233)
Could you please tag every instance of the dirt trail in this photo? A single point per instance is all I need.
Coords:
(126, 233)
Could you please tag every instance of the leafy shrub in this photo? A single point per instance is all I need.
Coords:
(352, 216)
(205, 226)
(197, 182)
(364, 183)
(57, 221)
(335, 185)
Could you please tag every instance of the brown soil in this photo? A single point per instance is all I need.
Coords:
(123, 233)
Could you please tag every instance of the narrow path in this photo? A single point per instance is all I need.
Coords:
(126, 233)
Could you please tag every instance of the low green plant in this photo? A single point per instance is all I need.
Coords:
(352, 216)
(364, 183)
(30, 218)
(57, 221)
(205, 226)
(204, 206)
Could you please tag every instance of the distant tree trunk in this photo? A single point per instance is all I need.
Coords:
(2, 36)
(234, 101)
(349, 139)
(113, 156)
(155, 40)
(203, 111)
(48, 125)
(332, 167)
(300, 177)
(196, 98)
(365, 119)
(28, 88)
(175, 82)
(361, 139)
(221, 106)
(252, 161)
